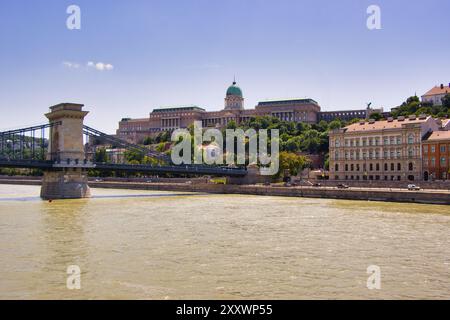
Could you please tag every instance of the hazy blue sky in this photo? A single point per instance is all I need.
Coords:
(186, 52)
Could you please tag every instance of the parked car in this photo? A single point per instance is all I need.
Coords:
(317, 184)
(342, 186)
(413, 187)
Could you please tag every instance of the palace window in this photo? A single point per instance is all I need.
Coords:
(386, 141)
(399, 167)
(336, 167)
(399, 140)
(392, 167)
(378, 167)
(411, 139)
(410, 166)
(385, 167)
(410, 152)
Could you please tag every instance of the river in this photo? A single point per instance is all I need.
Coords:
(167, 245)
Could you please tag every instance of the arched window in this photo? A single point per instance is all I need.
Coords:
(385, 167)
(399, 166)
(392, 167)
(411, 166)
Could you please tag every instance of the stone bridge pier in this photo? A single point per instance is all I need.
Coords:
(68, 178)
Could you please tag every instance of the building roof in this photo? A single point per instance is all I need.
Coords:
(383, 125)
(182, 108)
(234, 90)
(437, 90)
(134, 120)
(287, 101)
(439, 135)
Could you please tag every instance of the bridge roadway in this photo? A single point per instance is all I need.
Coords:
(181, 169)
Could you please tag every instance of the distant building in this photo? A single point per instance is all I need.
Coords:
(348, 115)
(436, 94)
(387, 150)
(436, 154)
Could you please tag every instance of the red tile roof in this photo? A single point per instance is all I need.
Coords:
(439, 135)
(437, 90)
(382, 125)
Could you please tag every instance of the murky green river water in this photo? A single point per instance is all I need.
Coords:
(163, 245)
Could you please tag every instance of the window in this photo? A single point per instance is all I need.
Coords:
(392, 140)
(357, 167)
(399, 167)
(336, 167)
(371, 167)
(352, 167)
(336, 155)
(411, 139)
(433, 149)
(433, 161)
(378, 167)
(410, 152)
(337, 144)
(399, 140)
(410, 166)
(385, 154)
(443, 162)
(346, 167)
(425, 149)
(443, 149)
(392, 167)
(385, 167)
(386, 141)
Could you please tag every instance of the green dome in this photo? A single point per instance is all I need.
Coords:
(234, 90)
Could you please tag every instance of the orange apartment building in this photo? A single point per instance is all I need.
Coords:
(436, 154)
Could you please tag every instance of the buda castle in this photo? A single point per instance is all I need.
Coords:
(169, 119)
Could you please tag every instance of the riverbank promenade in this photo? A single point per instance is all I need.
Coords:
(427, 196)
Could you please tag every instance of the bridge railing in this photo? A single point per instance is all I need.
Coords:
(29, 143)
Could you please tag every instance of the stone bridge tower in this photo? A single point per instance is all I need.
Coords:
(68, 178)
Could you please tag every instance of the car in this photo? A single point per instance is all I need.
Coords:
(342, 186)
(317, 184)
(413, 187)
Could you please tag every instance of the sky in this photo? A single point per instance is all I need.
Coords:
(132, 56)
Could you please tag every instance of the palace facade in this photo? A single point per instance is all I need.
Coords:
(168, 119)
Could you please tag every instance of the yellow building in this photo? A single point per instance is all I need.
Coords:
(387, 150)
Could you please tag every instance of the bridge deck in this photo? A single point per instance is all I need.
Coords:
(182, 169)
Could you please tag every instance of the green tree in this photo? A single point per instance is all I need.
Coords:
(376, 116)
(101, 155)
(292, 163)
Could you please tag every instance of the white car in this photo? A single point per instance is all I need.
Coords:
(413, 187)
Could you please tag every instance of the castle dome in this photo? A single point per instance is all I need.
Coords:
(234, 90)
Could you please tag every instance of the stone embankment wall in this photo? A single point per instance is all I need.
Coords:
(365, 194)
